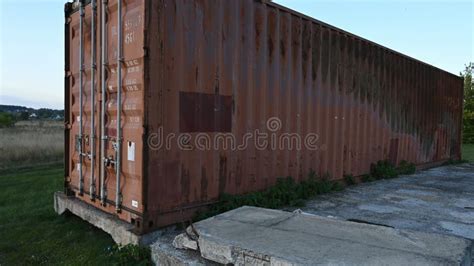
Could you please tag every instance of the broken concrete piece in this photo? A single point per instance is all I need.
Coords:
(192, 234)
(182, 241)
(298, 211)
(163, 253)
(250, 235)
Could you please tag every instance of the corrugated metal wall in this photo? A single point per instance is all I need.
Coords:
(228, 67)
(367, 103)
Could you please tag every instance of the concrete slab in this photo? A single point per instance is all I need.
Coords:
(439, 200)
(257, 236)
(121, 232)
(160, 241)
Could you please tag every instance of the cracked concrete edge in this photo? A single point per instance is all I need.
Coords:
(235, 255)
(229, 254)
(182, 241)
(163, 253)
(222, 251)
(216, 251)
(120, 231)
(213, 250)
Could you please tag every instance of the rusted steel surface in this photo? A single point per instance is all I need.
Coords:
(132, 105)
(228, 67)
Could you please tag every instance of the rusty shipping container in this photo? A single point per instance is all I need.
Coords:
(174, 126)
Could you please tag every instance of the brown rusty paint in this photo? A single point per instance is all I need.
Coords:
(212, 66)
(133, 104)
(213, 112)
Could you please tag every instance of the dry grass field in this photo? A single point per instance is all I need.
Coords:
(31, 143)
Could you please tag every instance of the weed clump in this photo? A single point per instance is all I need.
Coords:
(349, 179)
(286, 192)
(453, 162)
(383, 169)
(367, 178)
(129, 255)
(406, 168)
(386, 170)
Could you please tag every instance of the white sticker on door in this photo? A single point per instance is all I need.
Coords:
(134, 203)
(131, 151)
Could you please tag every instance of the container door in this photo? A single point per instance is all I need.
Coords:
(104, 162)
(124, 95)
(81, 99)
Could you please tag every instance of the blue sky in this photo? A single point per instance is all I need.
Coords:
(31, 38)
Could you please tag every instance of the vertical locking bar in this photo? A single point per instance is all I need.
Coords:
(103, 100)
(81, 72)
(119, 107)
(93, 70)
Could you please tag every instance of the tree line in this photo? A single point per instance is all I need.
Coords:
(468, 116)
(10, 114)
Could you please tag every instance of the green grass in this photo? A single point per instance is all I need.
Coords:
(468, 152)
(31, 233)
